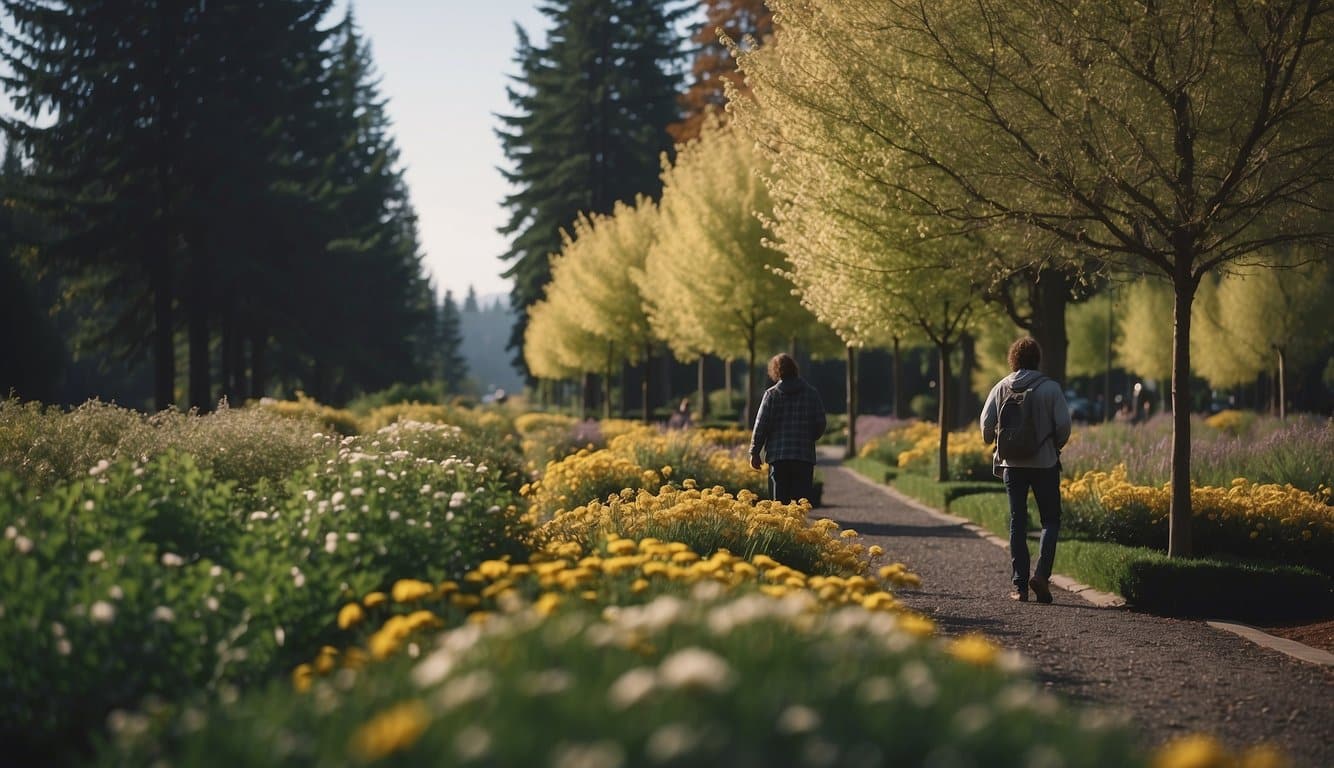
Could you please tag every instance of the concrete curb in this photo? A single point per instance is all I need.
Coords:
(1102, 599)
(1296, 650)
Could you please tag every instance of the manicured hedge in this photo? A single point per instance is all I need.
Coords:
(941, 495)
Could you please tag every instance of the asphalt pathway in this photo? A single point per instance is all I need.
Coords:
(1169, 676)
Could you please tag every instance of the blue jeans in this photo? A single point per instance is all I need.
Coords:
(1046, 485)
(791, 480)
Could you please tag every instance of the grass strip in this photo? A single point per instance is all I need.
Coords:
(1148, 579)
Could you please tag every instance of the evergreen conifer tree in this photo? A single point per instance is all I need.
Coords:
(453, 366)
(591, 108)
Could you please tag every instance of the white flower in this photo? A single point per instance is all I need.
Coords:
(631, 687)
(102, 612)
(96, 556)
(57, 629)
(696, 668)
(338, 498)
(670, 742)
(88, 506)
(425, 489)
(63, 647)
(310, 495)
(464, 690)
(259, 515)
(11, 532)
(116, 593)
(164, 614)
(481, 469)
(798, 719)
(472, 743)
(433, 669)
(211, 603)
(352, 536)
(599, 754)
(23, 544)
(279, 636)
(358, 492)
(457, 499)
(172, 560)
(298, 578)
(215, 571)
(100, 468)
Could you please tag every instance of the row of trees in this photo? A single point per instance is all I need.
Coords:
(220, 178)
(934, 166)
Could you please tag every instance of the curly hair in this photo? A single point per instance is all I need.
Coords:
(782, 366)
(1025, 353)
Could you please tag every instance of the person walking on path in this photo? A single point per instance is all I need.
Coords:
(791, 418)
(1048, 422)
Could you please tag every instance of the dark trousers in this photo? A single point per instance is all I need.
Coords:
(791, 480)
(1046, 485)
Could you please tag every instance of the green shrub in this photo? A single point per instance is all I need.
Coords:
(941, 495)
(45, 446)
(108, 598)
(744, 681)
(724, 409)
(430, 392)
(924, 407)
(1225, 589)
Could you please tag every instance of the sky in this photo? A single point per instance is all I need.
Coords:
(444, 66)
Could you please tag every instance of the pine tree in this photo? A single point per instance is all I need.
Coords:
(591, 110)
(453, 367)
(713, 65)
(470, 302)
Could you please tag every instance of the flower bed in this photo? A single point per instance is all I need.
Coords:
(1248, 519)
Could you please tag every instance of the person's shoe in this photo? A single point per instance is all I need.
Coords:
(1021, 596)
(1040, 588)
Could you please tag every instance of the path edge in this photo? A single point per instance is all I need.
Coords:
(1292, 648)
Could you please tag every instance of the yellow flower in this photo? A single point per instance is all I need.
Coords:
(848, 534)
(301, 677)
(638, 585)
(493, 569)
(411, 590)
(875, 550)
(1194, 751)
(974, 649)
(374, 599)
(393, 730)
(324, 661)
(547, 603)
(350, 615)
(915, 624)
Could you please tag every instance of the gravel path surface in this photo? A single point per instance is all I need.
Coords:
(1171, 677)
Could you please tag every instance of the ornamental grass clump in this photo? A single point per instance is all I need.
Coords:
(45, 445)
(1246, 519)
(319, 416)
(708, 520)
(722, 678)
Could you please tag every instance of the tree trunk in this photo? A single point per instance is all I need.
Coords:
(643, 382)
(851, 449)
(200, 389)
(1053, 294)
(727, 383)
(943, 413)
(751, 405)
(259, 372)
(1282, 383)
(227, 358)
(966, 406)
(1107, 372)
(897, 380)
(625, 391)
(703, 391)
(1178, 533)
(606, 382)
(164, 343)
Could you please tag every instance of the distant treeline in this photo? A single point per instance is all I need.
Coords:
(205, 200)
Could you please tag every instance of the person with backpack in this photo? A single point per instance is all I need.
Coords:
(1027, 417)
(791, 418)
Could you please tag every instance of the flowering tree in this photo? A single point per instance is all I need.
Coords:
(594, 276)
(1266, 319)
(712, 281)
(1177, 137)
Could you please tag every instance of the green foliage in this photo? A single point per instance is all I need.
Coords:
(590, 110)
(44, 446)
(924, 407)
(398, 393)
(736, 681)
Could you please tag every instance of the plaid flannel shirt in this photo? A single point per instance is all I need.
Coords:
(791, 418)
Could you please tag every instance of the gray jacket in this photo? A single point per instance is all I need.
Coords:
(1052, 414)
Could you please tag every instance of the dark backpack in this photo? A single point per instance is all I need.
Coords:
(1016, 423)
